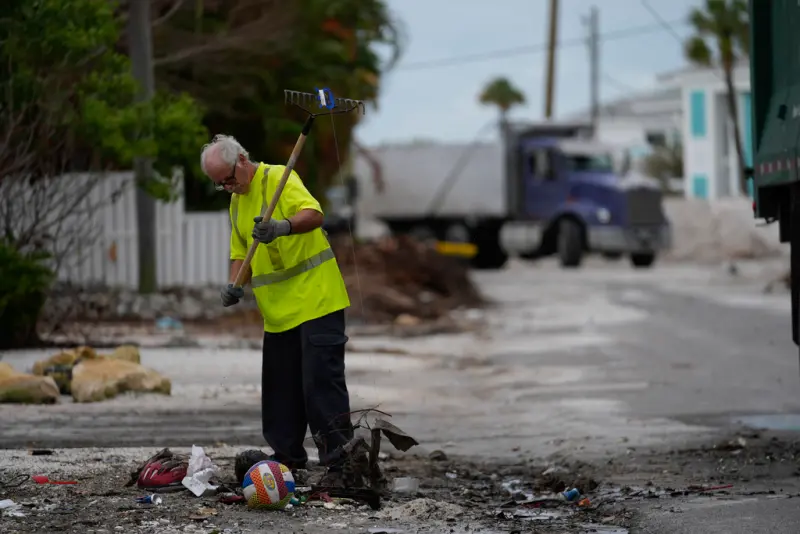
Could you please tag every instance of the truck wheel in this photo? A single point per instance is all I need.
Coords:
(490, 254)
(489, 257)
(570, 244)
(643, 261)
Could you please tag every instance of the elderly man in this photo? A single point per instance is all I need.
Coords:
(302, 297)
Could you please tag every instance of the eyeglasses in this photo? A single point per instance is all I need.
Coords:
(230, 180)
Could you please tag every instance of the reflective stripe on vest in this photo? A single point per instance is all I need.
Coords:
(304, 266)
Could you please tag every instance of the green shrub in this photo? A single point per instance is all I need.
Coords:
(24, 282)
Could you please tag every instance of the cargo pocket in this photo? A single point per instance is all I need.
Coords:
(326, 359)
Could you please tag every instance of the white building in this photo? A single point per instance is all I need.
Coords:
(690, 105)
(641, 121)
(710, 159)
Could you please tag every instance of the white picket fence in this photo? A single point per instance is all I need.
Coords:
(191, 248)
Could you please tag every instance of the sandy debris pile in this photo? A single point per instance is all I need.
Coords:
(84, 374)
(400, 276)
(719, 230)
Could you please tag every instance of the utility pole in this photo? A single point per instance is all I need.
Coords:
(140, 48)
(593, 42)
(551, 59)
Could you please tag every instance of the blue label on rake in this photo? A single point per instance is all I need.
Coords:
(325, 98)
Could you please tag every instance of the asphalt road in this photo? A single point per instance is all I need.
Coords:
(583, 364)
(730, 516)
(595, 360)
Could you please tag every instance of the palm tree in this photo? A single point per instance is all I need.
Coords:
(721, 39)
(501, 93)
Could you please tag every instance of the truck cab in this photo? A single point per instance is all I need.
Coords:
(568, 199)
(542, 189)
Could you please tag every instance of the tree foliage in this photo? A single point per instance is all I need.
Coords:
(502, 93)
(24, 280)
(237, 57)
(68, 104)
(69, 99)
(721, 39)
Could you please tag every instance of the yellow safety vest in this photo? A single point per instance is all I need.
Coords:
(295, 278)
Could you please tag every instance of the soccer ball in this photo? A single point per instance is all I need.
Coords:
(268, 485)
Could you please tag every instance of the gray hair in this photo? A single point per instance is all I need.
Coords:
(228, 150)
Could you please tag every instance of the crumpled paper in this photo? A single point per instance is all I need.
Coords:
(199, 473)
(10, 508)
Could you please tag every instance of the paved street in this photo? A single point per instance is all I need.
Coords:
(568, 361)
(583, 365)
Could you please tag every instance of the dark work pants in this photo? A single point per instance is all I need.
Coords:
(303, 385)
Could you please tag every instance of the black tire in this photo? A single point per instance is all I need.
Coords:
(643, 261)
(490, 254)
(612, 256)
(570, 243)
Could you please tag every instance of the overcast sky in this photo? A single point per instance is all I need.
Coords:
(440, 101)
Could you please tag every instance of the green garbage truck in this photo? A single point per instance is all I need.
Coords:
(775, 124)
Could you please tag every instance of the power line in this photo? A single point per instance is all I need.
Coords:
(669, 27)
(530, 49)
(664, 24)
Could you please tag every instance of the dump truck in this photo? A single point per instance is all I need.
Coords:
(775, 127)
(545, 189)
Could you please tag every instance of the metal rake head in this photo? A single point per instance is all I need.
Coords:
(324, 99)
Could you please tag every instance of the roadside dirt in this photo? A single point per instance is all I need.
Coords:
(455, 494)
(401, 277)
(391, 281)
(243, 329)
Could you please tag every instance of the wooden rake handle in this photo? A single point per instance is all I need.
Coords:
(267, 211)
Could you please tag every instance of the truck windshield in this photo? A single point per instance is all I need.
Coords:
(590, 162)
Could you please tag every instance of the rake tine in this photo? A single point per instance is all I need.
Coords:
(324, 99)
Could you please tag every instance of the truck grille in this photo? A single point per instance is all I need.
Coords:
(644, 207)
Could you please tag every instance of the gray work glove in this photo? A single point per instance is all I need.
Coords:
(267, 231)
(231, 295)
